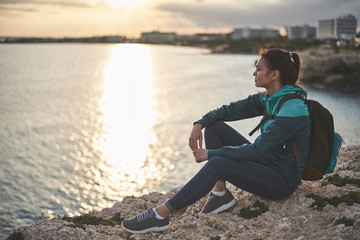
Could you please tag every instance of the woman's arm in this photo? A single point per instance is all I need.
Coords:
(247, 108)
(278, 133)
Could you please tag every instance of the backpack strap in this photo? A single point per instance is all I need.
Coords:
(265, 118)
(297, 150)
(295, 146)
(268, 116)
(288, 97)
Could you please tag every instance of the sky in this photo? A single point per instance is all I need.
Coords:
(85, 18)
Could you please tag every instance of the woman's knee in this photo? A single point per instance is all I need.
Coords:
(216, 162)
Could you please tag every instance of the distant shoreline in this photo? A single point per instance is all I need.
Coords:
(323, 67)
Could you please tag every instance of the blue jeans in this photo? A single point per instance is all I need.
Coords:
(250, 176)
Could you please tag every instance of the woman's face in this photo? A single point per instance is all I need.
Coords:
(262, 74)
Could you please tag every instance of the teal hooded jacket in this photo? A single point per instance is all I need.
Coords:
(271, 147)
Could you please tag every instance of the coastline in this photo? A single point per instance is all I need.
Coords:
(331, 70)
(323, 68)
(302, 216)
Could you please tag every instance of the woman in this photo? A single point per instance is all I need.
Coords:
(266, 167)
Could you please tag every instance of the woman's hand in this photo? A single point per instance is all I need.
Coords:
(195, 139)
(200, 155)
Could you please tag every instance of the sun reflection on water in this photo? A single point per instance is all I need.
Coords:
(127, 116)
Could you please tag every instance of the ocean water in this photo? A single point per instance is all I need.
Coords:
(83, 125)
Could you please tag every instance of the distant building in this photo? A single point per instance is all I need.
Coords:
(210, 36)
(158, 37)
(300, 32)
(114, 39)
(341, 28)
(247, 33)
(237, 34)
(185, 36)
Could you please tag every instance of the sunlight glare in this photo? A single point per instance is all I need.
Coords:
(128, 117)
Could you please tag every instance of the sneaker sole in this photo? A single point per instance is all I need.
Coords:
(224, 207)
(153, 229)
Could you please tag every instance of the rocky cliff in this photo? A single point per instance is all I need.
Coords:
(328, 69)
(326, 209)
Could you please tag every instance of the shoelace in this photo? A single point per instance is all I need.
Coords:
(142, 216)
(210, 197)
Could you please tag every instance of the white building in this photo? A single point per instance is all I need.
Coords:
(342, 28)
(237, 34)
(210, 36)
(158, 37)
(240, 33)
(300, 32)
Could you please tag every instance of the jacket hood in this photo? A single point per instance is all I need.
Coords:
(272, 102)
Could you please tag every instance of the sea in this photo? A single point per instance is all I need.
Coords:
(84, 125)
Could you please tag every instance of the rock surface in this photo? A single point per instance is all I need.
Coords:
(327, 69)
(292, 218)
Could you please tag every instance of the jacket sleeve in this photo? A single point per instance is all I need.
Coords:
(242, 109)
(278, 132)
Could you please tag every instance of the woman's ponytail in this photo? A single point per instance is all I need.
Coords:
(296, 61)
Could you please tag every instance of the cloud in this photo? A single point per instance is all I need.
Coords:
(89, 17)
(214, 15)
(67, 3)
(21, 9)
(261, 13)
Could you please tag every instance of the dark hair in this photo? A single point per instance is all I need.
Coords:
(287, 63)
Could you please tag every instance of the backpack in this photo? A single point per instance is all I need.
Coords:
(325, 143)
